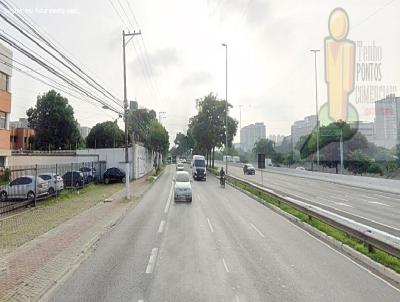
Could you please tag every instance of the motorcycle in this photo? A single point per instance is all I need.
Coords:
(222, 181)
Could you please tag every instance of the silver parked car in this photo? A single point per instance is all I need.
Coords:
(183, 187)
(180, 167)
(54, 181)
(23, 187)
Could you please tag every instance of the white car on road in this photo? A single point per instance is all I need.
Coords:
(183, 187)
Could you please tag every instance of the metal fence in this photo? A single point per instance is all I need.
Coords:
(26, 186)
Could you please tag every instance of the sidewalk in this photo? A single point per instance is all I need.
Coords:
(30, 270)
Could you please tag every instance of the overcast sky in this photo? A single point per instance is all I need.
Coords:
(270, 68)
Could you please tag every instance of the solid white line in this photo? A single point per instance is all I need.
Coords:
(161, 228)
(209, 224)
(343, 204)
(141, 301)
(226, 267)
(237, 298)
(168, 201)
(343, 255)
(152, 261)
(379, 203)
(257, 230)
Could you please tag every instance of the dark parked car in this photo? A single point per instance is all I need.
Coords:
(249, 169)
(114, 175)
(73, 179)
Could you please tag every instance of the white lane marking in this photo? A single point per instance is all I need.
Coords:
(210, 226)
(152, 261)
(226, 267)
(343, 204)
(343, 255)
(379, 203)
(161, 227)
(237, 298)
(141, 301)
(342, 211)
(257, 230)
(168, 201)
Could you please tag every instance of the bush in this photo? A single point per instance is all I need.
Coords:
(375, 169)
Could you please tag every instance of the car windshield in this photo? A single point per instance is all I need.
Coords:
(182, 177)
(199, 163)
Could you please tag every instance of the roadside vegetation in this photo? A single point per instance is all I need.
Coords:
(24, 226)
(375, 254)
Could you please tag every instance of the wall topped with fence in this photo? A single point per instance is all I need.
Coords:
(22, 186)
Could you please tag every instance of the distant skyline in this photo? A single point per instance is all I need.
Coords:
(270, 68)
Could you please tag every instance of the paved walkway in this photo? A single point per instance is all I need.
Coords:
(28, 272)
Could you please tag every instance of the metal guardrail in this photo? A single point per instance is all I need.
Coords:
(370, 236)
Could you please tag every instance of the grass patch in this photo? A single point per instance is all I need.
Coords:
(27, 225)
(376, 254)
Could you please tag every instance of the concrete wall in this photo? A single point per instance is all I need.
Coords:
(141, 159)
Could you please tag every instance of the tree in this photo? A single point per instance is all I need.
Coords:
(158, 138)
(265, 146)
(105, 135)
(358, 162)
(139, 123)
(54, 123)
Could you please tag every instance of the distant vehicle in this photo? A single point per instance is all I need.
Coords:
(228, 157)
(74, 179)
(300, 168)
(114, 175)
(55, 182)
(248, 169)
(199, 167)
(88, 173)
(236, 159)
(23, 187)
(183, 188)
(180, 167)
(268, 162)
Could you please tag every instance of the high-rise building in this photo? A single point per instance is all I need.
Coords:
(367, 129)
(21, 123)
(387, 121)
(251, 134)
(5, 105)
(302, 128)
(276, 138)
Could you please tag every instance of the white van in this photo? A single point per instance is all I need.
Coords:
(199, 167)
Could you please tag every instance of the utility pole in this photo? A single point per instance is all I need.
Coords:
(341, 151)
(315, 51)
(240, 124)
(124, 43)
(226, 107)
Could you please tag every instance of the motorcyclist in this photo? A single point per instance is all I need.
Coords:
(221, 176)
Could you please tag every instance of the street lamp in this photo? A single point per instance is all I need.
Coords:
(226, 107)
(315, 51)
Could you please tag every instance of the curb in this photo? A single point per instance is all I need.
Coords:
(379, 269)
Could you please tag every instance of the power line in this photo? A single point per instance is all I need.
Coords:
(76, 69)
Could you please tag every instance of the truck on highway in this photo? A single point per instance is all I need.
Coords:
(199, 167)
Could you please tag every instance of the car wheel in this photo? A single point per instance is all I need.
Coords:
(51, 191)
(77, 184)
(106, 181)
(190, 199)
(3, 196)
(30, 196)
(123, 179)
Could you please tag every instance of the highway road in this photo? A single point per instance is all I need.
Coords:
(379, 209)
(224, 246)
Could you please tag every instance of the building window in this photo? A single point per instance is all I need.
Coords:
(3, 120)
(4, 81)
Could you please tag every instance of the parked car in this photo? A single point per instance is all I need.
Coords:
(23, 187)
(113, 175)
(74, 179)
(249, 169)
(300, 168)
(55, 182)
(180, 167)
(183, 188)
(88, 173)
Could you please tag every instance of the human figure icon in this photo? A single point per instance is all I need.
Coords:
(339, 65)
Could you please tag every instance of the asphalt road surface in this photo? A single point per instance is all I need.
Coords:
(378, 209)
(224, 246)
